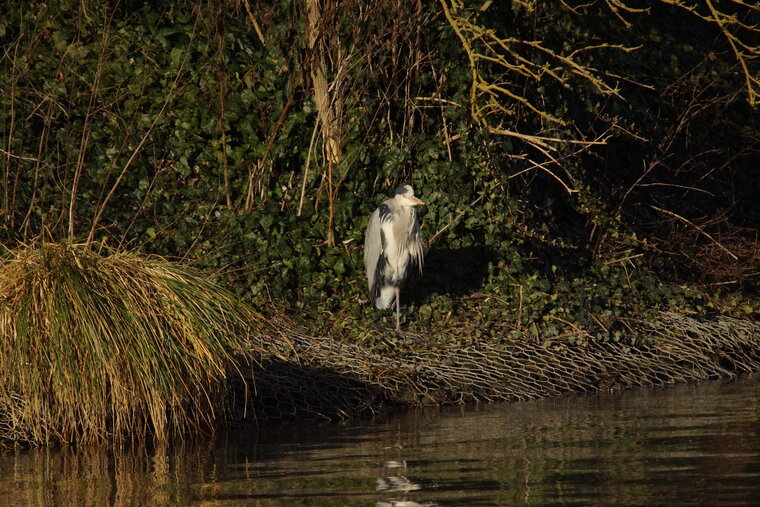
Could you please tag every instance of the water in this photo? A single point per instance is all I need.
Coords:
(691, 444)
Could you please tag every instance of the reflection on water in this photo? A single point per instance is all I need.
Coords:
(688, 444)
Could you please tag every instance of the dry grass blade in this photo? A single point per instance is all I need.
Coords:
(116, 346)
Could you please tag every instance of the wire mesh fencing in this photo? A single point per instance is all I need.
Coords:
(316, 377)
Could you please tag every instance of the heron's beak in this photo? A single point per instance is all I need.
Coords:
(416, 201)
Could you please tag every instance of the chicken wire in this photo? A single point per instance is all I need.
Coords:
(316, 377)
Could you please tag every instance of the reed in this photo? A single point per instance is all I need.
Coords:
(95, 346)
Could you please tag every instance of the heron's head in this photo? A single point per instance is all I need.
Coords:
(405, 196)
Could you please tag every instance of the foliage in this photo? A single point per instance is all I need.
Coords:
(119, 345)
(193, 132)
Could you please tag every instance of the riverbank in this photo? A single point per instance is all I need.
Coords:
(115, 346)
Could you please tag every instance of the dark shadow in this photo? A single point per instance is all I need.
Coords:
(452, 271)
(464, 271)
(283, 391)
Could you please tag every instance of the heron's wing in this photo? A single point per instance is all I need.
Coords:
(374, 261)
(382, 262)
(416, 250)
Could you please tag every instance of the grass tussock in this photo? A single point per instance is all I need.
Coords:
(94, 347)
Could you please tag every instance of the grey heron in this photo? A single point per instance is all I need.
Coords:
(392, 247)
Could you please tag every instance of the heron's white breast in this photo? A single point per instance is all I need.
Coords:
(396, 249)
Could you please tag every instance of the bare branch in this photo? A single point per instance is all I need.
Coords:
(698, 228)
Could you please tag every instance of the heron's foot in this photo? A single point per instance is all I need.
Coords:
(400, 333)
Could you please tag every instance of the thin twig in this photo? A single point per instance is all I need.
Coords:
(253, 21)
(222, 121)
(698, 228)
(18, 157)
(306, 170)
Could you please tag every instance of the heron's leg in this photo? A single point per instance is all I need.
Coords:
(398, 311)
